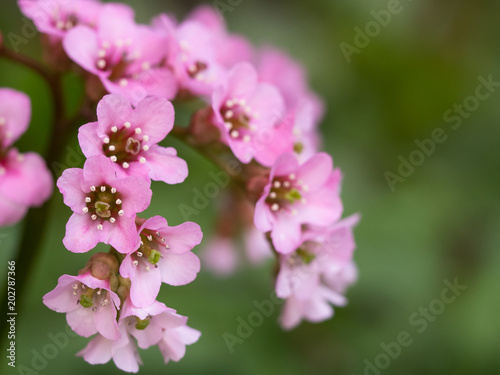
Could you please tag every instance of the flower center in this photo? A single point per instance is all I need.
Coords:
(90, 298)
(103, 203)
(125, 145)
(152, 243)
(237, 117)
(286, 191)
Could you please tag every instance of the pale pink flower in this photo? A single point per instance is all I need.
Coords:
(174, 341)
(105, 202)
(89, 304)
(123, 351)
(25, 180)
(57, 17)
(163, 255)
(128, 137)
(220, 255)
(127, 58)
(298, 194)
(247, 114)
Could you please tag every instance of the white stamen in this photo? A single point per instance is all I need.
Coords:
(106, 140)
(229, 114)
(99, 227)
(125, 165)
(229, 103)
(60, 25)
(145, 138)
(228, 125)
(286, 184)
(103, 188)
(277, 184)
(305, 187)
(123, 82)
(235, 134)
(114, 129)
(292, 176)
(150, 238)
(121, 212)
(243, 102)
(135, 262)
(94, 217)
(75, 293)
(275, 207)
(127, 124)
(113, 158)
(101, 53)
(272, 195)
(145, 148)
(98, 292)
(85, 209)
(88, 200)
(146, 65)
(75, 287)
(138, 130)
(112, 220)
(112, 148)
(294, 212)
(148, 269)
(113, 191)
(139, 254)
(163, 240)
(118, 201)
(101, 63)
(142, 160)
(246, 138)
(92, 188)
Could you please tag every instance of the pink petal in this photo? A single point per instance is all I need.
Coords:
(123, 235)
(316, 171)
(178, 269)
(90, 143)
(105, 321)
(81, 234)
(97, 351)
(166, 166)
(81, 45)
(286, 234)
(112, 110)
(15, 109)
(61, 299)
(136, 194)
(242, 81)
(155, 116)
(181, 238)
(69, 185)
(81, 320)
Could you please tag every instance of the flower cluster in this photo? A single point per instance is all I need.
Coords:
(25, 180)
(114, 296)
(256, 108)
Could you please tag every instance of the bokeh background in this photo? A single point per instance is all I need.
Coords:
(441, 223)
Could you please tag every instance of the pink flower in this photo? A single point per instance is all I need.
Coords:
(123, 351)
(174, 341)
(279, 69)
(317, 273)
(89, 303)
(105, 202)
(164, 255)
(297, 195)
(148, 324)
(192, 55)
(56, 17)
(246, 113)
(230, 49)
(323, 251)
(25, 180)
(127, 58)
(129, 136)
(220, 255)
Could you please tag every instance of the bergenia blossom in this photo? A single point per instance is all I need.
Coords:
(317, 273)
(298, 194)
(128, 137)
(163, 255)
(246, 113)
(123, 351)
(105, 202)
(127, 58)
(56, 17)
(89, 303)
(25, 180)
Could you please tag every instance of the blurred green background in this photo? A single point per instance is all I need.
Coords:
(441, 223)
